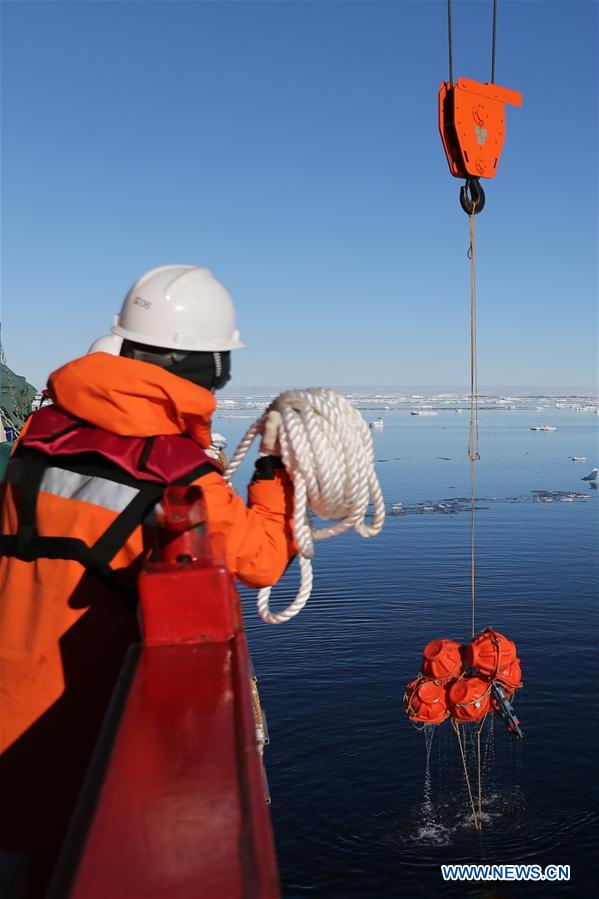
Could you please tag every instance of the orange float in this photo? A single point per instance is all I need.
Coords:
(510, 675)
(510, 678)
(425, 701)
(442, 660)
(469, 698)
(466, 682)
(490, 653)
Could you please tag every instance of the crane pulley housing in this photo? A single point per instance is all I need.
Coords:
(472, 125)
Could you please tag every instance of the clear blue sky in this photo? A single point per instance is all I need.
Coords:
(292, 147)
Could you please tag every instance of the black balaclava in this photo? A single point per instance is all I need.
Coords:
(208, 370)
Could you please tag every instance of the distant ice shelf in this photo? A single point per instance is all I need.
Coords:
(420, 404)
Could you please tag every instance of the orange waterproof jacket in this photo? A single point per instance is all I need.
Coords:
(64, 630)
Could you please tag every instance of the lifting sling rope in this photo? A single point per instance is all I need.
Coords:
(473, 151)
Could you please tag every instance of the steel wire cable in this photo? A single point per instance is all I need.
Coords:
(450, 41)
(494, 41)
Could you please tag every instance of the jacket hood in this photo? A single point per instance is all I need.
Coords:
(132, 398)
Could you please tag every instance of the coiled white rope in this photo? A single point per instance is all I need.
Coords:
(326, 447)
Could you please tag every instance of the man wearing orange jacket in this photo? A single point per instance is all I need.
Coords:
(128, 419)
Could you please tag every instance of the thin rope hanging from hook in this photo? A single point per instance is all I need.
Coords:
(473, 435)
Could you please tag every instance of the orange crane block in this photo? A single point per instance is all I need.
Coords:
(472, 125)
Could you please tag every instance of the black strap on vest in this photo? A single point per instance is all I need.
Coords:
(27, 545)
(106, 548)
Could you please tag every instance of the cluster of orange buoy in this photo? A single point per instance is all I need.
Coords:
(465, 683)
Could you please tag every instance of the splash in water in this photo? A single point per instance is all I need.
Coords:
(429, 829)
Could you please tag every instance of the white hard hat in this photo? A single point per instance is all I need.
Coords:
(110, 344)
(179, 307)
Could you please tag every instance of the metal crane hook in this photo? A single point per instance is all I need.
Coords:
(472, 197)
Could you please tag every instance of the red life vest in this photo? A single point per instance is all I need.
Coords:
(58, 441)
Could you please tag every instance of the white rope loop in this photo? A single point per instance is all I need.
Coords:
(326, 446)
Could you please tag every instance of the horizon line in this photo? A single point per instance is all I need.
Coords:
(531, 390)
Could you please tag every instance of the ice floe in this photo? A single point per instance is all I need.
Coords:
(457, 504)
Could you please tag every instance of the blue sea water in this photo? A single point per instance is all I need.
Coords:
(357, 810)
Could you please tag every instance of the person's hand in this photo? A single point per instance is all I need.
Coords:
(270, 445)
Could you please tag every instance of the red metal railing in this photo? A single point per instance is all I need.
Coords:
(181, 810)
